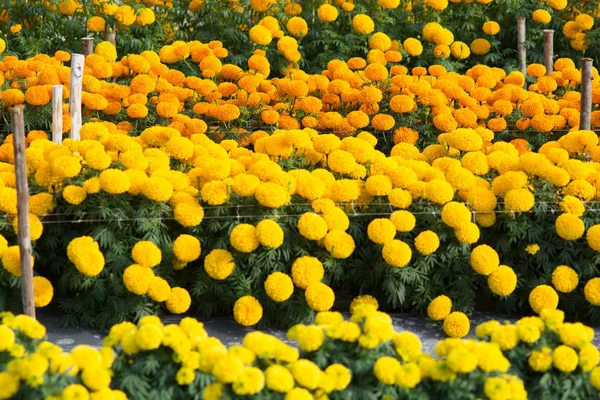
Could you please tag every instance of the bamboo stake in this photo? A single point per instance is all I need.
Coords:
(57, 114)
(549, 50)
(586, 94)
(77, 65)
(110, 35)
(87, 46)
(18, 129)
(522, 53)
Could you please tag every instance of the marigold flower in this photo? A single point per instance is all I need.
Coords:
(543, 297)
(179, 301)
(219, 264)
(502, 281)
(319, 296)
(247, 311)
(279, 286)
(137, 279)
(363, 24)
(457, 325)
(42, 291)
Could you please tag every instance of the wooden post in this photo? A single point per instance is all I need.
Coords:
(87, 46)
(549, 50)
(57, 114)
(110, 35)
(18, 129)
(522, 53)
(586, 94)
(77, 64)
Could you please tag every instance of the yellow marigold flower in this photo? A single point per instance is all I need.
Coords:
(438, 191)
(532, 249)
(159, 289)
(75, 391)
(565, 359)
(179, 301)
(439, 308)
(455, 214)
(480, 46)
(363, 24)
(457, 325)
(491, 28)
(593, 237)
(96, 24)
(247, 311)
(396, 253)
(312, 226)
(269, 233)
(279, 286)
(363, 300)
(520, 200)
(271, 195)
(460, 50)
(386, 369)
(381, 230)
(187, 248)
(592, 291)
(540, 360)
(502, 281)
(148, 337)
(125, 15)
(413, 47)
(319, 296)
(85, 253)
(543, 297)
(42, 291)
(188, 214)
(400, 198)
(219, 264)
(306, 271)
(565, 279)
(572, 205)
(260, 35)
(13, 97)
(484, 259)
(404, 221)
(588, 357)
(243, 238)
(327, 13)
(339, 243)
(145, 17)
(114, 181)
(569, 227)
(137, 279)
(468, 233)
(541, 16)
(146, 254)
(297, 27)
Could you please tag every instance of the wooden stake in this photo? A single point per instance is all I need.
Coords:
(522, 53)
(110, 35)
(549, 50)
(18, 129)
(77, 65)
(57, 114)
(87, 46)
(586, 94)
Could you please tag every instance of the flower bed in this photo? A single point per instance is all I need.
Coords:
(537, 357)
(154, 211)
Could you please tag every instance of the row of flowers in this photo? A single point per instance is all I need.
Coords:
(455, 33)
(363, 357)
